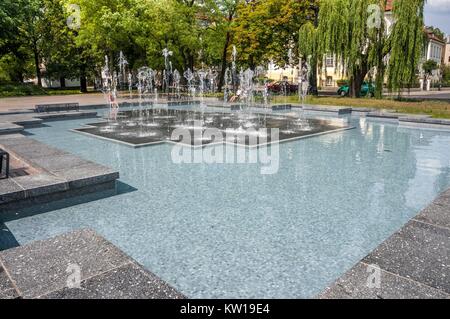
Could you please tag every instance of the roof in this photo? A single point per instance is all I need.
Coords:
(432, 36)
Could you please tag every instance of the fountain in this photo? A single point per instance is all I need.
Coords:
(202, 76)
(122, 68)
(167, 69)
(109, 89)
(176, 84)
(189, 76)
(147, 126)
(158, 125)
(130, 84)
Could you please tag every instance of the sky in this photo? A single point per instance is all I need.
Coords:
(437, 14)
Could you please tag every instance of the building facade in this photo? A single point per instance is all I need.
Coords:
(332, 72)
(434, 51)
(447, 51)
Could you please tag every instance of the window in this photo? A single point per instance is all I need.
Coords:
(329, 61)
(329, 81)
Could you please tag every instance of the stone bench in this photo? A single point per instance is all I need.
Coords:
(58, 107)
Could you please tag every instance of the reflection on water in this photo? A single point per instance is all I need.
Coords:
(227, 231)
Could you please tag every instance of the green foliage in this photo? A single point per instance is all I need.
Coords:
(34, 33)
(308, 41)
(437, 32)
(266, 29)
(344, 31)
(446, 74)
(406, 43)
(429, 66)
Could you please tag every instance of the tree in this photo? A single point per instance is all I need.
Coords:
(446, 74)
(405, 43)
(13, 55)
(222, 22)
(429, 66)
(31, 28)
(266, 30)
(354, 31)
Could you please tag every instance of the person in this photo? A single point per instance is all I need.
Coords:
(236, 97)
(113, 105)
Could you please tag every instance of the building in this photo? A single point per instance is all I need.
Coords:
(447, 51)
(434, 50)
(332, 71)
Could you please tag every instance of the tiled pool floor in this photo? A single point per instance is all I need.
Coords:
(226, 231)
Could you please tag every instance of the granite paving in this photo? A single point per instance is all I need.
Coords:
(418, 251)
(8, 128)
(43, 269)
(126, 282)
(354, 285)
(333, 109)
(56, 171)
(414, 262)
(7, 290)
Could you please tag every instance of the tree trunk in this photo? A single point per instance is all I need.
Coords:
(357, 80)
(83, 79)
(224, 61)
(62, 82)
(37, 66)
(313, 78)
(379, 83)
(356, 84)
(83, 84)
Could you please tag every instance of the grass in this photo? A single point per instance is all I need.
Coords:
(436, 109)
(17, 90)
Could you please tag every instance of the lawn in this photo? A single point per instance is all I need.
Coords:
(13, 90)
(437, 109)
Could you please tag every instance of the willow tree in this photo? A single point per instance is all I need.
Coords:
(355, 32)
(405, 43)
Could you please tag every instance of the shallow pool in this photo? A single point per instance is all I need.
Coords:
(227, 231)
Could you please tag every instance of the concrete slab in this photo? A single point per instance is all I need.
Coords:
(41, 267)
(424, 120)
(86, 175)
(44, 268)
(420, 252)
(383, 115)
(8, 128)
(7, 290)
(331, 109)
(34, 149)
(14, 139)
(438, 213)
(126, 282)
(57, 161)
(10, 191)
(355, 285)
(65, 115)
(41, 184)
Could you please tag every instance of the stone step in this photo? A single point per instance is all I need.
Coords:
(57, 173)
(79, 265)
(8, 128)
